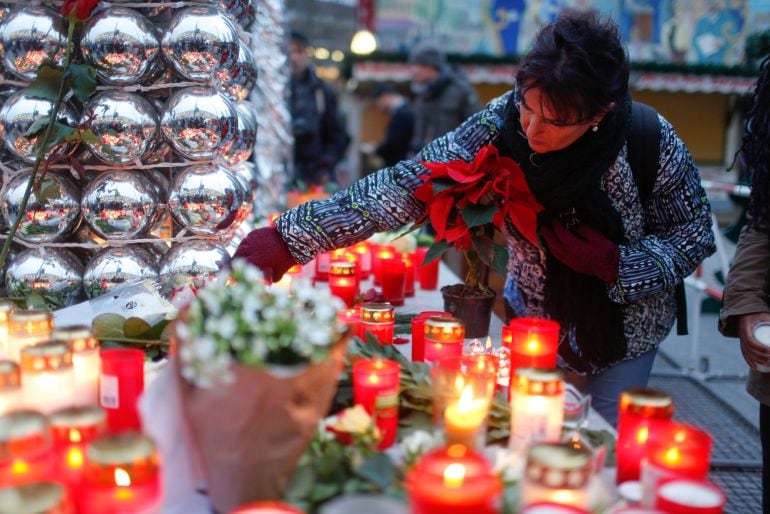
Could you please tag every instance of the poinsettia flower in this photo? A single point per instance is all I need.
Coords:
(79, 10)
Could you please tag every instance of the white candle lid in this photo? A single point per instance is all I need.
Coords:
(691, 493)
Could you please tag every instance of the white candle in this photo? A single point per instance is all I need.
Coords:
(10, 386)
(6, 309)
(48, 377)
(28, 327)
(762, 334)
(689, 496)
(85, 360)
(557, 473)
(537, 407)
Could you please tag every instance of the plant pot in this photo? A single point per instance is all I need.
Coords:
(472, 306)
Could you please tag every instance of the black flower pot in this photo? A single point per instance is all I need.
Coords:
(472, 306)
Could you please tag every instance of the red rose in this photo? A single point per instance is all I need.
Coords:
(82, 8)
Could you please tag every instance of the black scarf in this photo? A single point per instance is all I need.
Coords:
(567, 184)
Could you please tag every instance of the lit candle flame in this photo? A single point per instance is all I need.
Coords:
(466, 400)
(75, 435)
(454, 475)
(533, 345)
(75, 458)
(122, 478)
(642, 435)
(19, 467)
(488, 344)
(374, 379)
(671, 456)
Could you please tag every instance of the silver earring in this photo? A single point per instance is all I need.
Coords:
(595, 128)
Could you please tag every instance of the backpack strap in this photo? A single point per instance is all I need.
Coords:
(643, 146)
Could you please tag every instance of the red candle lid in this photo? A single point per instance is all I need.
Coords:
(342, 269)
(647, 402)
(444, 329)
(377, 313)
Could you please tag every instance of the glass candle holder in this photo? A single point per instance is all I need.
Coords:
(641, 411)
(379, 253)
(375, 387)
(47, 376)
(533, 342)
(427, 274)
(11, 396)
(120, 385)
(322, 263)
(121, 476)
(552, 508)
(267, 508)
(410, 274)
(351, 318)
(6, 309)
(28, 327)
(453, 480)
(364, 253)
(683, 496)
(343, 282)
(537, 406)
(393, 279)
(379, 319)
(444, 337)
(38, 497)
(25, 448)
(557, 473)
(418, 332)
(85, 359)
(72, 430)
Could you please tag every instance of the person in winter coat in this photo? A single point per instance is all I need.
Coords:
(606, 264)
(398, 136)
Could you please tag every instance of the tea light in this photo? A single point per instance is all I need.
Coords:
(38, 497)
(120, 385)
(379, 319)
(444, 337)
(537, 406)
(533, 342)
(557, 473)
(322, 263)
(641, 411)
(410, 274)
(85, 360)
(28, 327)
(25, 448)
(427, 273)
(674, 451)
(72, 430)
(364, 253)
(6, 309)
(11, 396)
(343, 282)
(375, 387)
(464, 418)
(267, 508)
(393, 279)
(418, 333)
(121, 476)
(380, 253)
(47, 376)
(689, 497)
(351, 318)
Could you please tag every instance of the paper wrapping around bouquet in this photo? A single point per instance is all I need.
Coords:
(251, 433)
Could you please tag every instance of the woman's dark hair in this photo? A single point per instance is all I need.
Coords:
(579, 64)
(755, 150)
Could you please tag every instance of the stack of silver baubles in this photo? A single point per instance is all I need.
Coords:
(165, 182)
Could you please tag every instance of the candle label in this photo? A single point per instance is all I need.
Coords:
(108, 392)
(386, 404)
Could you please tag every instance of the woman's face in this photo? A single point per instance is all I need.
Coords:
(544, 134)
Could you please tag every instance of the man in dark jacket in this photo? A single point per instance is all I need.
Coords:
(398, 138)
(320, 139)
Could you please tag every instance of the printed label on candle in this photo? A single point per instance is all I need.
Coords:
(386, 404)
(108, 392)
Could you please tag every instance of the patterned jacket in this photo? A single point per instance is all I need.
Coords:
(667, 238)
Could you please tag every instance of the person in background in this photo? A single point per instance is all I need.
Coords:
(606, 264)
(320, 139)
(746, 302)
(443, 97)
(398, 136)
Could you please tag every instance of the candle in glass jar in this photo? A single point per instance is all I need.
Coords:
(28, 327)
(322, 263)
(6, 309)
(47, 376)
(37, 497)
(11, 396)
(453, 480)
(351, 318)
(684, 496)
(427, 273)
(378, 319)
(464, 418)
(533, 342)
(364, 253)
(120, 385)
(393, 279)
(85, 360)
(444, 337)
(73, 429)
(379, 254)
(121, 476)
(375, 387)
(25, 448)
(557, 473)
(410, 274)
(418, 332)
(343, 282)
(641, 411)
(552, 508)
(537, 406)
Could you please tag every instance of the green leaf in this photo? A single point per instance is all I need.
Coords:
(157, 330)
(425, 239)
(321, 492)
(36, 300)
(379, 470)
(62, 133)
(108, 325)
(135, 327)
(478, 215)
(500, 261)
(46, 84)
(88, 136)
(82, 81)
(435, 251)
(441, 184)
(37, 126)
(48, 191)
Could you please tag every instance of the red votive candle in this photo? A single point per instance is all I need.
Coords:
(641, 412)
(683, 496)
(379, 319)
(364, 253)
(552, 508)
(322, 263)
(343, 282)
(352, 318)
(418, 333)
(375, 387)
(393, 278)
(426, 273)
(409, 274)
(380, 253)
(453, 480)
(72, 430)
(25, 448)
(444, 337)
(120, 385)
(533, 342)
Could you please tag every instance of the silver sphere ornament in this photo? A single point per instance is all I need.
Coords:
(192, 263)
(30, 36)
(18, 114)
(52, 212)
(199, 122)
(246, 174)
(245, 138)
(205, 199)
(238, 79)
(114, 266)
(242, 11)
(55, 274)
(120, 44)
(199, 42)
(126, 127)
(120, 205)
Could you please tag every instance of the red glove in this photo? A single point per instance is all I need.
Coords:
(585, 250)
(266, 249)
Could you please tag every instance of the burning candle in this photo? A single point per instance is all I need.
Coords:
(537, 406)
(121, 476)
(427, 273)
(551, 508)
(674, 451)
(72, 430)
(444, 337)
(379, 319)
(11, 396)
(464, 418)
(28, 327)
(641, 412)
(25, 448)
(322, 263)
(343, 282)
(48, 378)
(533, 342)
(683, 496)
(120, 385)
(557, 473)
(418, 333)
(379, 254)
(375, 387)
(85, 360)
(352, 318)
(410, 274)
(453, 480)
(364, 253)
(6, 309)
(38, 497)
(393, 279)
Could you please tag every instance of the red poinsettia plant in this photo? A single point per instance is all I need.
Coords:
(466, 201)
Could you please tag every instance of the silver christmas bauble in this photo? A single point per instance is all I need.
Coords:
(246, 174)
(125, 125)
(240, 10)
(245, 138)
(199, 122)
(120, 205)
(120, 44)
(55, 274)
(114, 266)
(193, 262)
(199, 42)
(18, 114)
(238, 79)
(30, 36)
(52, 212)
(205, 199)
